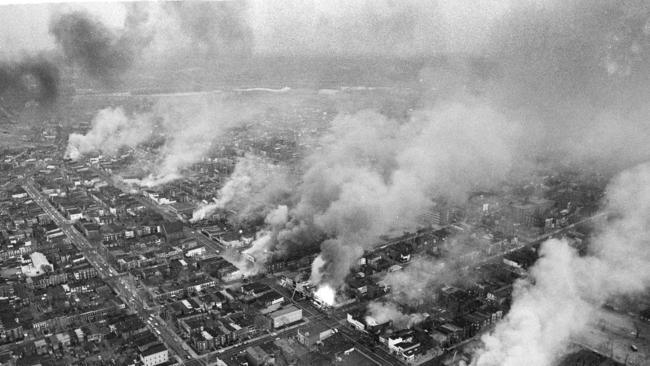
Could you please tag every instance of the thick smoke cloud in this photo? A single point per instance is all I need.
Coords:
(374, 176)
(99, 51)
(388, 177)
(566, 288)
(111, 130)
(262, 247)
(34, 78)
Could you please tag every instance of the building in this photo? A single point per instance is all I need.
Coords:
(314, 333)
(258, 357)
(284, 316)
(172, 231)
(233, 240)
(255, 289)
(356, 320)
(530, 213)
(10, 329)
(195, 252)
(154, 355)
(74, 214)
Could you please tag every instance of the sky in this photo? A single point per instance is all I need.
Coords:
(289, 27)
(24, 26)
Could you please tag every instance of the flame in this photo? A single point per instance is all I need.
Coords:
(326, 294)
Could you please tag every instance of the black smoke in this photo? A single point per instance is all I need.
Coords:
(34, 78)
(87, 43)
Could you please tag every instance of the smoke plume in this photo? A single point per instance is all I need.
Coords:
(254, 188)
(413, 284)
(375, 176)
(199, 122)
(99, 51)
(382, 312)
(32, 78)
(566, 289)
(110, 130)
(262, 248)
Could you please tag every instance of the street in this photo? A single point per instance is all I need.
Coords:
(107, 273)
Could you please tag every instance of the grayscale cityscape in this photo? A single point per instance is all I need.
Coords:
(325, 182)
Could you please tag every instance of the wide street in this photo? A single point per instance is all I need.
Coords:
(106, 272)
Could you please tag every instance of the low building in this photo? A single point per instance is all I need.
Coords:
(356, 320)
(284, 316)
(172, 231)
(258, 357)
(314, 333)
(195, 252)
(154, 355)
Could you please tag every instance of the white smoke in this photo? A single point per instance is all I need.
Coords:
(316, 270)
(278, 217)
(566, 288)
(189, 127)
(411, 284)
(204, 210)
(382, 312)
(375, 176)
(111, 129)
(253, 187)
(261, 247)
(192, 126)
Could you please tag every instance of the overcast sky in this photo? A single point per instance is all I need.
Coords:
(24, 27)
(296, 26)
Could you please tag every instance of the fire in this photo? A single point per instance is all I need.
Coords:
(326, 294)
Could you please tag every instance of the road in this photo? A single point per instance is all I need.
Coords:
(107, 273)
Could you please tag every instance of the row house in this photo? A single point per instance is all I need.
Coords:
(52, 279)
(13, 251)
(83, 271)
